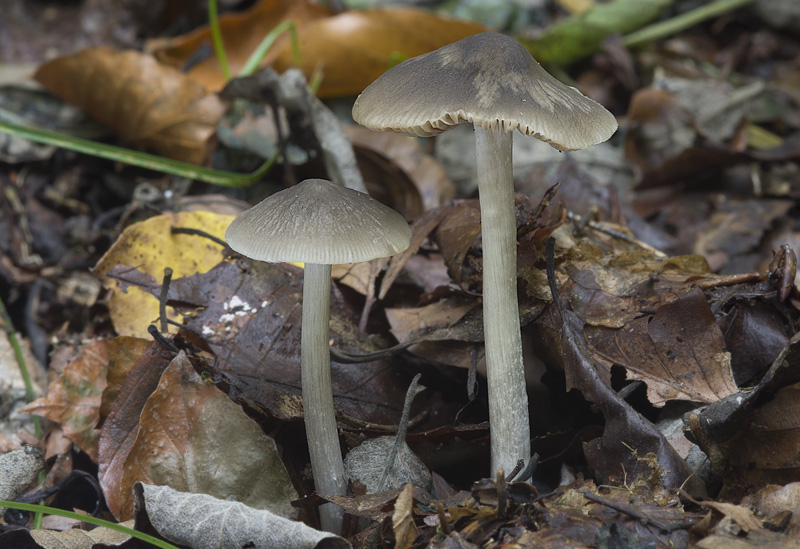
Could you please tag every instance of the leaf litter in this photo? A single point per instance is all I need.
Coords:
(625, 337)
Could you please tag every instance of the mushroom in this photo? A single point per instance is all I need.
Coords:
(320, 224)
(491, 81)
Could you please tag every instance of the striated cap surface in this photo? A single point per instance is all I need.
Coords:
(317, 221)
(489, 80)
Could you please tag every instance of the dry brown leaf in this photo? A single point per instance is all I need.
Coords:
(678, 351)
(769, 444)
(121, 427)
(193, 438)
(398, 162)
(73, 399)
(405, 531)
(241, 34)
(356, 47)
(742, 516)
(144, 102)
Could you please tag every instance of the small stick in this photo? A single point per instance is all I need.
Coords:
(630, 511)
(197, 232)
(401, 431)
(161, 340)
(502, 493)
(443, 519)
(162, 300)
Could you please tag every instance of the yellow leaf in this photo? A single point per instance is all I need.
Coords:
(149, 246)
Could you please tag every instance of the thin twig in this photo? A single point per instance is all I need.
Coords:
(162, 300)
(161, 340)
(197, 232)
(400, 439)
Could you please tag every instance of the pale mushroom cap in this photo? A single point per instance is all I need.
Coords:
(317, 221)
(487, 79)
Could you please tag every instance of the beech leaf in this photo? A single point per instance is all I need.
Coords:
(204, 522)
(144, 102)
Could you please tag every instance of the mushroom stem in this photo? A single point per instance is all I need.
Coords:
(320, 420)
(505, 372)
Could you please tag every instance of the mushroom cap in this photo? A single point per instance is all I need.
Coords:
(490, 80)
(318, 221)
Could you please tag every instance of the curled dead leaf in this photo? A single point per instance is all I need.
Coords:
(144, 102)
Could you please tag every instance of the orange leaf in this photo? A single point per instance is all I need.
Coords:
(144, 102)
(73, 399)
(241, 34)
(356, 47)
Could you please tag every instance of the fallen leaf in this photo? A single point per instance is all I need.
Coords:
(580, 35)
(123, 354)
(73, 399)
(398, 162)
(249, 315)
(203, 522)
(241, 34)
(356, 47)
(73, 538)
(144, 102)
(743, 516)
(631, 447)
(405, 531)
(19, 470)
(149, 247)
(121, 427)
(678, 351)
(193, 438)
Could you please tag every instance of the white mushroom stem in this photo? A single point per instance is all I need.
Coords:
(505, 372)
(320, 419)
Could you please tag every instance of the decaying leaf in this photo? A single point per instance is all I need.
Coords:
(73, 399)
(397, 165)
(630, 447)
(405, 531)
(192, 437)
(356, 47)
(241, 34)
(204, 522)
(750, 444)
(123, 354)
(72, 538)
(144, 102)
(19, 470)
(149, 247)
(249, 314)
(678, 351)
(121, 427)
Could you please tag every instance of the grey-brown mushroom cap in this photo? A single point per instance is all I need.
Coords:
(317, 221)
(489, 80)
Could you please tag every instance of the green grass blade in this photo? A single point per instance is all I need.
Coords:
(140, 159)
(91, 520)
(216, 38)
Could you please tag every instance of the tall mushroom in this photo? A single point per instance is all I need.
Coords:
(491, 81)
(320, 224)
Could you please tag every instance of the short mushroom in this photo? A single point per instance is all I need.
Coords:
(491, 81)
(320, 224)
